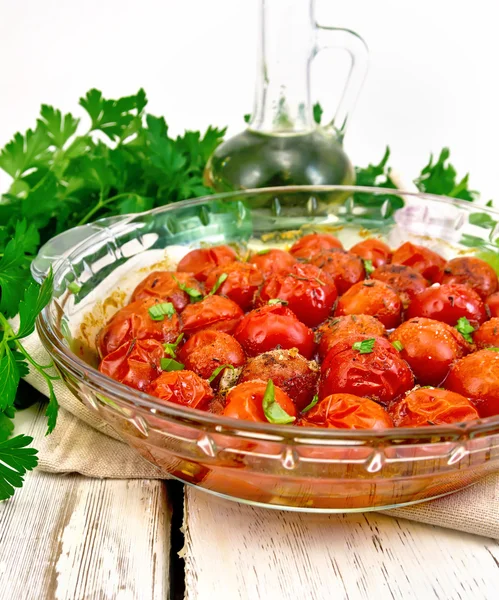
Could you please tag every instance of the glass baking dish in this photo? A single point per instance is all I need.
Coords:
(272, 465)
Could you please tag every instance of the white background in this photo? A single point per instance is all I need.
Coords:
(433, 79)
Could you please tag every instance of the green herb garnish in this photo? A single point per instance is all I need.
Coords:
(218, 283)
(194, 294)
(274, 413)
(274, 301)
(465, 328)
(170, 364)
(171, 348)
(262, 252)
(158, 312)
(368, 266)
(365, 346)
(74, 288)
(315, 399)
(218, 370)
(398, 345)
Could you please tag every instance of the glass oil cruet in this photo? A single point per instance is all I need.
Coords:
(282, 144)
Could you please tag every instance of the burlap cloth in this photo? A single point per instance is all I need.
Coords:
(83, 443)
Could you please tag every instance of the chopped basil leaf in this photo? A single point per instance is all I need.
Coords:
(194, 294)
(368, 266)
(159, 311)
(364, 347)
(493, 348)
(262, 252)
(170, 364)
(273, 301)
(218, 370)
(274, 413)
(171, 348)
(315, 399)
(398, 345)
(74, 288)
(465, 329)
(218, 283)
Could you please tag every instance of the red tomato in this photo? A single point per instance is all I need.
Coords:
(471, 271)
(346, 411)
(380, 374)
(209, 349)
(309, 292)
(162, 286)
(136, 363)
(311, 244)
(345, 269)
(245, 402)
(448, 303)
(373, 298)
(134, 322)
(406, 281)
(430, 347)
(487, 335)
(243, 281)
(268, 327)
(273, 261)
(428, 263)
(203, 260)
(432, 406)
(492, 303)
(374, 250)
(476, 377)
(214, 312)
(182, 387)
(339, 327)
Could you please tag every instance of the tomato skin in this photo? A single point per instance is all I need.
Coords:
(487, 335)
(426, 261)
(492, 303)
(406, 281)
(373, 298)
(241, 284)
(136, 363)
(214, 312)
(448, 303)
(272, 262)
(346, 411)
(244, 401)
(345, 269)
(182, 387)
(311, 244)
(432, 406)
(201, 261)
(429, 347)
(336, 328)
(374, 250)
(476, 377)
(265, 328)
(472, 271)
(208, 349)
(382, 375)
(309, 292)
(162, 286)
(134, 322)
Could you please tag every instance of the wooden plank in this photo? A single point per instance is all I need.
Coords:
(235, 551)
(70, 538)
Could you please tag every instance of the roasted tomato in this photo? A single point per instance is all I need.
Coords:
(428, 263)
(289, 370)
(136, 363)
(374, 250)
(245, 401)
(346, 411)
(432, 406)
(448, 303)
(476, 377)
(406, 281)
(209, 349)
(134, 322)
(214, 312)
(430, 347)
(202, 261)
(492, 303)
(273, 261)
(163, 285)
(241, 284)
(373, 298)
(344, 268)
(472, 271)
(487, 335)
(274, 326)
(309, 292)
(334, 329)
(182, 387)
(369, 367)
(311, 244)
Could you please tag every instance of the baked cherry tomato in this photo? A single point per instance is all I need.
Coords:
(163, 285)
(345, 269)
(209, 349)
(487, 335)
(203, 260)
(492, 303)
(134, 322)
(309, 292)
(426, 261)
(213, 312)
(448, 303)
(373, 298)
(311, 244)
(289, 370)
(336, 328)
(245, 401)
(274, 326)
(406, 281)
(430, 347)
(374, 250)
(182, 387)
(476, 377)
(243, 281)
(346, 411)
(432, 406)
(369, 367)
(273, 261)
(136, 363)
(471, 271)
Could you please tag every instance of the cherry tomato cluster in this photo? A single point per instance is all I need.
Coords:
(316, 336)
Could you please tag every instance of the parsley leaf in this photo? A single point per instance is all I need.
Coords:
(273, 411)
(15, 461)
(35, 299)
(365, 346)
(465, 328)
(9, 378)
(58, 128)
